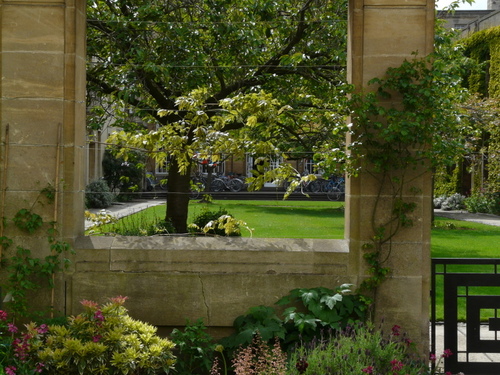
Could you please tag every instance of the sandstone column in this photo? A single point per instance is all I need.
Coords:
(42, 112)
(382, 33)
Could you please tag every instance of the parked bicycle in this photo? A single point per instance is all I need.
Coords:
(335, 188)
(223, 183)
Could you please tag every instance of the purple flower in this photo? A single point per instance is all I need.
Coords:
(368, 370)
(12, 328)
(10, 370)
(96, 338)
(3, 315)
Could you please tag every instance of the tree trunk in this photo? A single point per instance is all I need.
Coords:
(178, 197)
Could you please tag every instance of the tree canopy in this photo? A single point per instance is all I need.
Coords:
(217, 77)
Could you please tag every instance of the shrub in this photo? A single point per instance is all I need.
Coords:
(219, 223)
(453, 202)
(194, 349)
(360, 349)
(98, 195)
(123, 175)
(313, 310)
(105, 340)
(438, 201)
(483, 203)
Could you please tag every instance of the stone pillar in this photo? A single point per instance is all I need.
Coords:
(42, 115)
(382, 33)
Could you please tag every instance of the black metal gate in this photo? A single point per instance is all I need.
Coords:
(469, 292)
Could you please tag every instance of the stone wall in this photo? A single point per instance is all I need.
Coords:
(42, 103)
(171, 279)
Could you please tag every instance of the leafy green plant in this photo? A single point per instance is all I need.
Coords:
(218, 223)
(483, 203)
(314, 310)
(98, 195)
(105, 340)
(359, 349)
(324, 309)
(27, 274)
(194, 349)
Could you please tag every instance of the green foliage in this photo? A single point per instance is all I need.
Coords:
(314, 310)
(139, 224)
(483, 47)
(28, 221)
(98, 195)
(224, 78)
(27, 274)
(360, 349)
(105, 340)
(124, 175)
(447, 180)
(219, 223)
(483, 203)
(194, 349)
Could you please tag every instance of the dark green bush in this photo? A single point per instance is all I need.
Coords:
(194, 349)
(98, 195)
(123, 175)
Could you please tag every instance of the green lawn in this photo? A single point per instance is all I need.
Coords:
(284, 219)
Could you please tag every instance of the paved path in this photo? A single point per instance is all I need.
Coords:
(467, 216)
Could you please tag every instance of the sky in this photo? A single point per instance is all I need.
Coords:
(477, 5)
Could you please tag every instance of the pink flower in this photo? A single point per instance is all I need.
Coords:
(368, 370)
(98, 315)
(90, 304)
(42, 329)
(432, 357)
(119, 300)
(12, 328)
(10, 370)
(447, 353)
(39, 367)
(3, 315)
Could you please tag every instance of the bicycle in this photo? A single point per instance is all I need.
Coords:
(335, 188)
(222, 183)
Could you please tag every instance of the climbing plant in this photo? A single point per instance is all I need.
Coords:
(25, 272)
(409, 119)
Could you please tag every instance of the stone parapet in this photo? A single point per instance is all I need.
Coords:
(171, 279)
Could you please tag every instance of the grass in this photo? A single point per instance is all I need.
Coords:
(284, 219)
(316, 219)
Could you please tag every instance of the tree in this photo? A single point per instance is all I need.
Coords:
(217, 77)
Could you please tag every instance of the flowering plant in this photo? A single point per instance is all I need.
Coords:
(101, 340)
(16, 348)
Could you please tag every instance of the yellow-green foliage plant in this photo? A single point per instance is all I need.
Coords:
(105, 340)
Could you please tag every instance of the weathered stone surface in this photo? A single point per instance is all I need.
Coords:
(42, 61)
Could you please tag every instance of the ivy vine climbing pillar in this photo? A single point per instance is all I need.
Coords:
(42, 118)
(382, 34)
